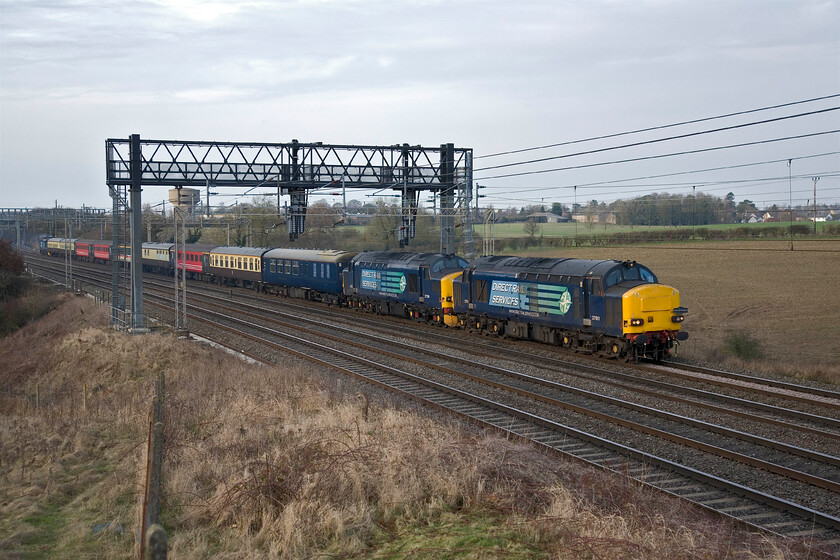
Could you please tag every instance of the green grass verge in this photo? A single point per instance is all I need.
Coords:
(474, 535)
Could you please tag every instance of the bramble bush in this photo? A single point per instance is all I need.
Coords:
(12, 285)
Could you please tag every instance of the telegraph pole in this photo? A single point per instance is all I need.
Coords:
(815, 179)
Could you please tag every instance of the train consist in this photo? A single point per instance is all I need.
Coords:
(616, 309)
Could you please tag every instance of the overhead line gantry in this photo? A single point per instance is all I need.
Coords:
(294, 169)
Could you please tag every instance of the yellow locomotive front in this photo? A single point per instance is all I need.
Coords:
(652, 318)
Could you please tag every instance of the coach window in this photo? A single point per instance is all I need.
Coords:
(288, 267)
(295, 268)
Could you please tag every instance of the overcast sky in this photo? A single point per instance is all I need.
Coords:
(492, 76)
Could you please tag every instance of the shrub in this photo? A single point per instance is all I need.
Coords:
(742, 345)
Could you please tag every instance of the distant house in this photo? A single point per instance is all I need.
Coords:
(752, 219)
(596, 218)
(768, 217)
(544, 217)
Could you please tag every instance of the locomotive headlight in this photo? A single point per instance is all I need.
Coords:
(677, 319)
(637, 322)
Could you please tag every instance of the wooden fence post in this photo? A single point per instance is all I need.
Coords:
(153, 536)
(156, 543)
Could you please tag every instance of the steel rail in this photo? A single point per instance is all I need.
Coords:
(669, 370)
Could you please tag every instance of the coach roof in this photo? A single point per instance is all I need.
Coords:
(158, 246)
(313, 255)
(239, 251)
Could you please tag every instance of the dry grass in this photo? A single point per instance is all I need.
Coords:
(278, 463)
(65, 468)
(292, 463)
(787, 301)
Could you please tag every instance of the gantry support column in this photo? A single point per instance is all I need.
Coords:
(466, 198)
(136, 207)
(447, 199)
(115, 257)
(410, 198)
(298, 198)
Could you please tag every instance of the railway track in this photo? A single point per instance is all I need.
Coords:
(538, 409)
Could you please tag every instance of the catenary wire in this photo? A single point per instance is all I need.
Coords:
(658, 156)
(661, 127)
(655, 141)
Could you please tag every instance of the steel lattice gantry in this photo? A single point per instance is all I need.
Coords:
(294, 169)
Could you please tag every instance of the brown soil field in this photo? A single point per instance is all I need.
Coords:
(788, 301)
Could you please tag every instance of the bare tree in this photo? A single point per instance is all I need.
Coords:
(531, 228)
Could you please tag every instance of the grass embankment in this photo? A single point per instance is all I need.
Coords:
(291, 463)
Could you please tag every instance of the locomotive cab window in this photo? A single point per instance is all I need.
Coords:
(613, 277)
